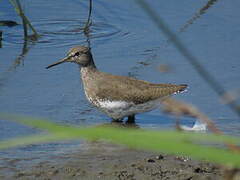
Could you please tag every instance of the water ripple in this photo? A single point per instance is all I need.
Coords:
(59, 33)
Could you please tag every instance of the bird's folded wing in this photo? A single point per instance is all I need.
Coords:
(133, 90)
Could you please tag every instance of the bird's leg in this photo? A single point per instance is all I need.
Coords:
(131, 119)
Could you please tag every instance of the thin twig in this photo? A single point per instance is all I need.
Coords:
(19, 10)
(88, 23)
(21, 13)
(0, 39)
(26, 22)
(197, 15)
(31, 27)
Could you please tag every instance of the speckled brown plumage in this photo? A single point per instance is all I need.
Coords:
(120, 88)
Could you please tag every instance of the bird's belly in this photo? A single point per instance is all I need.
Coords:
(121, 109)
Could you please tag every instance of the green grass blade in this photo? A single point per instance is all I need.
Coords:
(171, 135)
(172, 142)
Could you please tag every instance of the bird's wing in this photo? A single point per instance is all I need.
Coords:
(132, 90)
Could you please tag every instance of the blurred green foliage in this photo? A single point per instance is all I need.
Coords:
(171, 142)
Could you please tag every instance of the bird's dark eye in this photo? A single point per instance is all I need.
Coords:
(76, 54)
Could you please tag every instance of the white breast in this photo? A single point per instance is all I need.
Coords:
(113, 104)
(121, 109)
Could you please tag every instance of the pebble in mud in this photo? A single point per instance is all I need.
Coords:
(199, 170)
(159, 157)
(181, 158)
(133, 165)
(21, 174)
(150, 160)
(100, 173)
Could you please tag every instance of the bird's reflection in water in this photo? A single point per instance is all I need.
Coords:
(120, 124)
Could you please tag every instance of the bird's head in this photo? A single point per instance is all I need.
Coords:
(78, 54)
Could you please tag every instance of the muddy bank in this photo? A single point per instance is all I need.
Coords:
(105, 161)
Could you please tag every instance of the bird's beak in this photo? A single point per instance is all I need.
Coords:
(66, 59)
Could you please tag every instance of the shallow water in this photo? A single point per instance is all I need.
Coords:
(124, 41)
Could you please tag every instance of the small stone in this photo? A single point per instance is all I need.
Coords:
(150, 161)
(183, 159)
(133, 165)
(21, 174)
(78, 174)
(198, 170)
(159, 157)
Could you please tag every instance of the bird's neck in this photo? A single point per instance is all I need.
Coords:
(89, 69)
(90, 64)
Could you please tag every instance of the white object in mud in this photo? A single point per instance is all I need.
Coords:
(198, 126)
